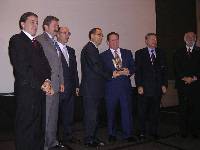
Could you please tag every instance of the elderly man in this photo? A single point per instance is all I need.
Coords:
(187, 64)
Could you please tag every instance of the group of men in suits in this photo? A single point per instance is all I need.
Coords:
(46, 83)
(107, 75)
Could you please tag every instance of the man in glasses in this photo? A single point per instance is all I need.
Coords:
(71, 83)
(92, 85)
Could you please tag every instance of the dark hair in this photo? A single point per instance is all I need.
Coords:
(24, 17)
(92, 31)
(112, 33)
(149, 34)
(48, 20)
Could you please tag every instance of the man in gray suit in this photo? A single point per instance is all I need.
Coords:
(50, 28)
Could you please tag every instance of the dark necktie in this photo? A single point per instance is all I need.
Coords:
(34, 42)
(153, 57)
(189, 52)
(57, 48)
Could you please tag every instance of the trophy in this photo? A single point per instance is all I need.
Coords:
(117, 63)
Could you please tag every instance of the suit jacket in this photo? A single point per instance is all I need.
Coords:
(186, 66)
(150, 77)
(93, 75)
(70, 72)
(54, 61)
(121, 83)
(30, 66)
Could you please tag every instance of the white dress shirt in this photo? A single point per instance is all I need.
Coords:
(64, 50)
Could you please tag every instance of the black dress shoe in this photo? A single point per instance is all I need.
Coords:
(142, 137)
(57, 147)
(60, 146)
(94, 144)
(112, 138)
(100, 142)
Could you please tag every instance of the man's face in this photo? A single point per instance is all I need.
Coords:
(97, 37)
(151, 41)
(190, 39)
(113, 41)
(52, 28)
(30, 25)
(63, 35)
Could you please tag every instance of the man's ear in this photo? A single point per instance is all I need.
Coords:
(92, 37)
(107, 42)
(22, 24)
(45, 27)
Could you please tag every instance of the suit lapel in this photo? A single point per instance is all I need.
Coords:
(123, 57)
(49, 40)
(146, 54)
(25, 37)
(110, 57)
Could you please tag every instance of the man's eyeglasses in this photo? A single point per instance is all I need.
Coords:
(67, 33)
(100, 34)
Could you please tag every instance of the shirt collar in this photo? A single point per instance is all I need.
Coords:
(29, 35)
(49, 36)
(61, 45)
(94, 44)
(191, 48)
(151, 49)
(112, 50)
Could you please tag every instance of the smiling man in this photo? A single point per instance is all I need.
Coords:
(32, 73)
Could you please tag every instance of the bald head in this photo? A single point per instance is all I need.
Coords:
(63, 35)
(190, 38)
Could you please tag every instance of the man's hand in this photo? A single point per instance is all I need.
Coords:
(116, 74)
(77, 91)
(47, 88)
(62, 88)
(125, 72)
(164, 89)
(187, 80)
(140, 90)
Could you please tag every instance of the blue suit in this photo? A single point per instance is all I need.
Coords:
(118, 90)
(71, 82)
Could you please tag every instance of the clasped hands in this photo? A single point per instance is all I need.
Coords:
(189, 80)
(47, 88)
(122, 71)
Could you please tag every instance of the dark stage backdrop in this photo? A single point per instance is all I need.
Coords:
(173, 19)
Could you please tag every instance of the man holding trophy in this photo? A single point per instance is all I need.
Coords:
(118, 90)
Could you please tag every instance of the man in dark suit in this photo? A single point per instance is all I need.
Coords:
(32, 73)
(71, 83)
(92, 85)
(151, 82)
(187, 64)
(46, 39)
(118, 90)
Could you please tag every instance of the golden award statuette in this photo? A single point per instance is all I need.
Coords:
(117, 63)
